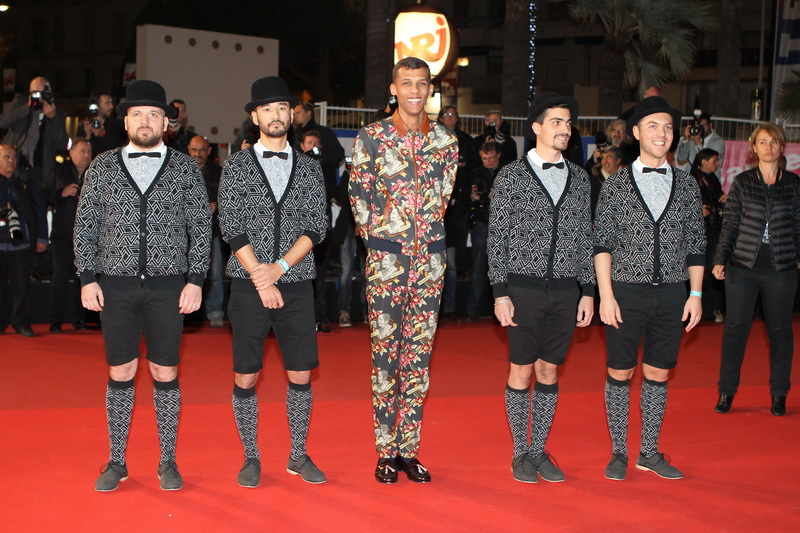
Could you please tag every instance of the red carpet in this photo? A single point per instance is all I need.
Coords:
(742, 470)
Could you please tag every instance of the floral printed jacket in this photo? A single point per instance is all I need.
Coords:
(401, 182)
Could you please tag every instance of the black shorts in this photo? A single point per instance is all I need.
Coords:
(545, 317)
(652, 312)
(293, 324)
(132, 306)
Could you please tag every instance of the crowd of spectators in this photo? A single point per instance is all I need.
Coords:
(34, 182)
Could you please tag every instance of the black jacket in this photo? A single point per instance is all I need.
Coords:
(750, 204)
(64, 208)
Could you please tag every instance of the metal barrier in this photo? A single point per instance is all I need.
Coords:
(354, 118)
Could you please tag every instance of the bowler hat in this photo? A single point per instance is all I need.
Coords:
(146, 93)
(650, 106)
(268, 90)
(545, 101)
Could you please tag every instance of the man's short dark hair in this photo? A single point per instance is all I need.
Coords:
(541, 117)
(706, 116)
(410, 63)
(310, 133)
(177, 101)
(308, 106)
(77, 140)
(705, 154)
(95, 96)
(490, 146)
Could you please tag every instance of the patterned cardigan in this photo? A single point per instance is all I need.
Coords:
(530, 235)
(120, 231)
(401, 181)
(249, 213)
(644, 250)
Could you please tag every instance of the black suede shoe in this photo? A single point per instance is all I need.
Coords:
(386, 471)
(414, 470)
(55, 327)
(80, 325)
(779, 405)
(25, 331)
(724, 403)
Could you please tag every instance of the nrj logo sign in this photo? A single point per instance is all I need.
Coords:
(427, 36)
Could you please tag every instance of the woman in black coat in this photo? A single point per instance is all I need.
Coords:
(757, 255)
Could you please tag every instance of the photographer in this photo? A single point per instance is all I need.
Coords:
(697, 136)
(499, 132)
(36, 128)
(61, 189)
(103, 130)
(482, 180)
(22, 223)
(178, 134)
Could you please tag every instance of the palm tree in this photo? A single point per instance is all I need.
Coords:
(646, 42)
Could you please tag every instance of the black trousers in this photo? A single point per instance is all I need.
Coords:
(63, 294)
(15, 276)
(777, 290)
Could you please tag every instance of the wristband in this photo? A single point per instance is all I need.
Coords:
(504, 300)
(284, 265)
(696, 293)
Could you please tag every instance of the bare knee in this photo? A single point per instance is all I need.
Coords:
(124, 372)
(546, 373)
(163, 373)
(299, 378)
(655, 374)
(621, 375)
(519, 376)
(245, 381)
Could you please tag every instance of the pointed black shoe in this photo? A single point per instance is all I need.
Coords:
(386, 471)
(779, 405)
(414, 470)
(724, 403)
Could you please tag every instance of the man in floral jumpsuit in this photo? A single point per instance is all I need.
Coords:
(403, 173)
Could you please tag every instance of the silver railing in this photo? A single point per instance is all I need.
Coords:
(354, 118)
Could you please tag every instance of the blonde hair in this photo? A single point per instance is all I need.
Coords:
(773, 130)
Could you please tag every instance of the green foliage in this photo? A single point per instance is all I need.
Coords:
(659, 36)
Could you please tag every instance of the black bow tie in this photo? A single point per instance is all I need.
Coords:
(133, 155)
(651, 169)
(545, 166)
(282, 155)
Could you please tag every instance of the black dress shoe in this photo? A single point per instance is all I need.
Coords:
(779, 405)
(55, 327)
(80, 325)
(25, 331)
(724, 403)
(414, 470)
(386, 471)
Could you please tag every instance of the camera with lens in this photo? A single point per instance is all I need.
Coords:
(94, 117)
(9, 218)
(348, 163)
(37, 97)
(696, 128)
(499, 134)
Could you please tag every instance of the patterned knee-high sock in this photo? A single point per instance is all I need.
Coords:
(298, 410)
(119, 406)
(654, 405)
(245, 412)
(518, 413)
(543, 408)
(167, 399)
(618, 400)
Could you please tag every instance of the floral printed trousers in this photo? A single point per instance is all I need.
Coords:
(403, 294)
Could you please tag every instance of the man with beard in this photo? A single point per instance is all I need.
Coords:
(142, 235)
(272, 213)
(540, 267)
(404, 168)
